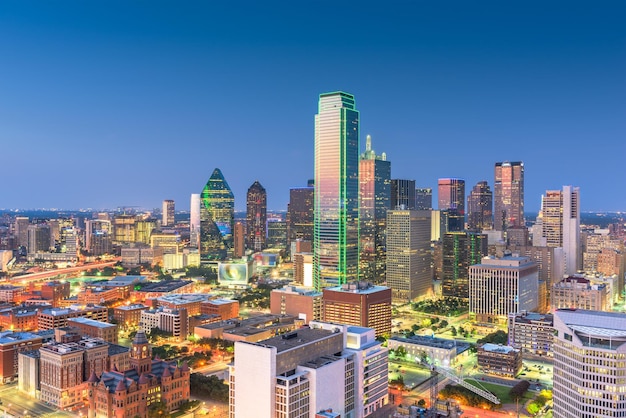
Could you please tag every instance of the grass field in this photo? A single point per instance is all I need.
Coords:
(502, 392)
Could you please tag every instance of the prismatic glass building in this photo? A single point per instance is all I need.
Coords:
(217, 218)
(375, 187)
(336, 207)
(256, 216)
(508, 195)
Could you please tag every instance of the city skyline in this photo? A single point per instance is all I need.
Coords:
(157, 93)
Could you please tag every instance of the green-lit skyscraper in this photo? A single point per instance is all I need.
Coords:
(336, 208)
(217, 218)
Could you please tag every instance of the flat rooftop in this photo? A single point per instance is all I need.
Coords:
(604, 324)
(294, 339)
(360, 288)
(495, 348)
(165, 286)
(133, 307)
(91, 322)
(433, 342)
(221, 301)
(10, 337)
(185, 298)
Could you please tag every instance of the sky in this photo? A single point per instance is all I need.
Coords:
(125, 103)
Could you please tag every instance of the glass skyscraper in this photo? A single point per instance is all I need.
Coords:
(336, 208)
(508, 195)
(256, 216)
(217, 218)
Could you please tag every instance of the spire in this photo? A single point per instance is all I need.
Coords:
(92, 377)
(121, 386)
(368, 143)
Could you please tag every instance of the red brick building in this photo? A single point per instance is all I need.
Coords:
(11, 344)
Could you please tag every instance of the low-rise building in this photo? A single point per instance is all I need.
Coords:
(576, 292)
(438, 351)
(11, 345)
(129, 315)
(498, 359)
(251, 329)
(302, 303)
(175, 321)
(58, 317)
(532, 333)
(155, 290)
(225, 308)
(96, 329)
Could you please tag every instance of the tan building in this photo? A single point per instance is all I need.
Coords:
(500, 359)
(100, 295)
(96, 329)
(129, 315)
(55, 291)
(361, 304)
(531, 333)
(11, 344)
(225, 308)
(62, 374)
(579, 293)
(302, 303)
(175, 321)
(192, 302)
(303, 268)
(58, 317)
(11, 294)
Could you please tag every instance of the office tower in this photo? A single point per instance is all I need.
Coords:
(38, 238)
(409, 258)
(452, 220)
(329, 366)
(217, 218)
(336, 213)
(402, 194)
(589, 365)
(451, 194)
(21, 231)
(479, 207)
(144, 229)
(499, 286)
(239, 248)
(167, 213)
(300, 214)
(561, 224)
(194, 221)
(423, 198)
(302, 303)
(509, 195)
(460, 250)
(124, 229)
(375, 194)
(277, 234)
(361, 304)
(98, 234)
(256, 216)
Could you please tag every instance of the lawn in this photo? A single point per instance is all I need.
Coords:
(502, 392)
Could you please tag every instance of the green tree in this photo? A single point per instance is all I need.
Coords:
(401, 352)
(158, 410)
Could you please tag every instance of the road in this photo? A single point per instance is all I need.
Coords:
(17, 404)
(35, 277)
(213, 368)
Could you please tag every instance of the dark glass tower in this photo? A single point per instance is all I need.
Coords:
(479, 207)
(300, 214)
(423, 198)
(336, 209)
(460, 250)
(217, 218)
(402, 194)
(375, 195)
(256, 219)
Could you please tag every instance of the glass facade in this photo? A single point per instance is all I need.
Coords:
(217, 218)
(509, 195)
(479, 207)
(336, 207)
(256, 216)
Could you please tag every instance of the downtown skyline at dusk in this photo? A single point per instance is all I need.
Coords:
(116, 104)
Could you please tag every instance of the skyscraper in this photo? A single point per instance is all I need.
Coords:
(300, 214)
(402, 194)
(375, 188)
(479, 207)
(167, 215)
(194, 221)
(561, 224)
(336, 212)
(451, 194)
(423, 198)
(409, 258)
(256, 219)
(217, 218)
(460, 251)
(509, 195)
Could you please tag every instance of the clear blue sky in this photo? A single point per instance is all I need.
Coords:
(106, 103)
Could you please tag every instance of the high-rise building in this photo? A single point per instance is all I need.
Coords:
(194, 221)
(402, 194)
(499, 286)
(325, 367)
(451, 194)
(375, 193)
(561, 224)
(167, 213)
(460, 250)
(589, 365)
(479, 207)
(336, 210)
(38, 238)
(300, 214)
(21, 231)
(256, 217)
(361, 304)
(509, 195)
(409, 258)
(217, 218)
(239, 237)
(98, 234)
(423, 198)
(277, 234)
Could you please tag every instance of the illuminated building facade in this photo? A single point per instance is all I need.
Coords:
(300, 214)
(460, 250)
(375, 194)
(423, 198)
(561, 224)
(479, 207)
(217, 218)
(256, 217)
(336, 212)
(451, 194)
(402, 194)
(508, 195)
(194, 220)
(167, 213)
(98, 236)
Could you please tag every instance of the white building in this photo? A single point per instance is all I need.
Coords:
(499, 286)
(194, 221)
(327, 366)
(561, 224)
(589, 364)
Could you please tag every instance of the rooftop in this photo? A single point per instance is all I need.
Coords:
(295, 339)
(10, 337)
(134, 306)
(358, 287)
(496, 348)
(91, 322)
(221, 301)
(432, 342)
(185, 298)
(165, 286)
(601, 324)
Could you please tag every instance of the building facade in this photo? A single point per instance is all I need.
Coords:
(167, 213)
(336, 210)
(460, 251)
(402, 194)
(217, 218)
(576, 292)
(302, 303)
(508, 195)
(561, 224)
(256, 217)
(479, 207)
(531, 333)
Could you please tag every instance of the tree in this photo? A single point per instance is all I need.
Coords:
(158, 410)
(401, 352)
(519, 390)
(421, 403)
(453, 331)
(498, 337)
